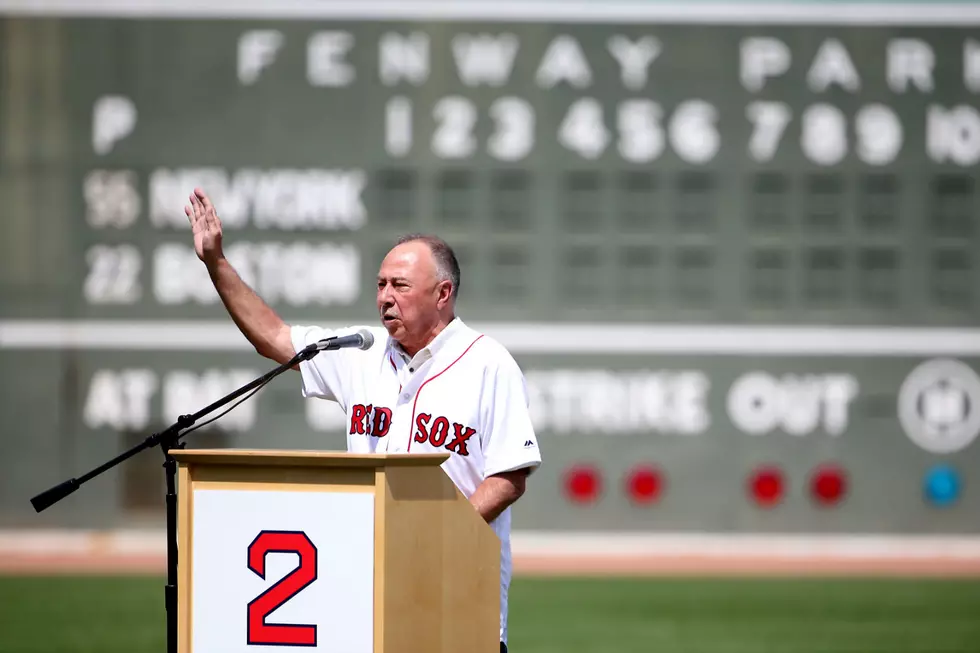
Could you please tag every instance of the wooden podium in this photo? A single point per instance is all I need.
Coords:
(329, 551)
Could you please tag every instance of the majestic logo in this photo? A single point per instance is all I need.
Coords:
(939, 406)
(370, 420)
(438, 432)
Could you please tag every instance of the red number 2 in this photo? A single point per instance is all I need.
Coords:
(260, 632)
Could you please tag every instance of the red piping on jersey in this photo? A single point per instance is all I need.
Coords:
(392, 361)
(411, 424)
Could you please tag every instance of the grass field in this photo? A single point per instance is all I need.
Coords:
(661, 615)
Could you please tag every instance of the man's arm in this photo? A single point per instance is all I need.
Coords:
(497, 492)
(267, 332)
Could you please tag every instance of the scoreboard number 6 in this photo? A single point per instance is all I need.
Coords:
(260, 632)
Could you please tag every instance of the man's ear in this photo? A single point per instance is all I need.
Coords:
(445, 292)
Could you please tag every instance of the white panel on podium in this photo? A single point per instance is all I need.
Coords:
(316, 551)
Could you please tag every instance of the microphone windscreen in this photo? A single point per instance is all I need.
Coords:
(367, 337)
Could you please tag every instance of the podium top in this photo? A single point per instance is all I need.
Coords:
(305, 458)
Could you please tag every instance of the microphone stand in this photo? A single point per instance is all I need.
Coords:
(168, 439)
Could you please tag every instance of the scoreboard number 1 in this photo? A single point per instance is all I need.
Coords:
(259, 631)
(455, 117)
(642, 129)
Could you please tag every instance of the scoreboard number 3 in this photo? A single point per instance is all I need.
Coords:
(260, 632)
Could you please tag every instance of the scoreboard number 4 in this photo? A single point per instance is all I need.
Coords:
(642, 129)
(260, 632)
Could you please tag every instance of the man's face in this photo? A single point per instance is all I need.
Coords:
(409, 293)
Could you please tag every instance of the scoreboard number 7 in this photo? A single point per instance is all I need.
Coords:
(260, 632)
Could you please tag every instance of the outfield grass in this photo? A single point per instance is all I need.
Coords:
(125, 615)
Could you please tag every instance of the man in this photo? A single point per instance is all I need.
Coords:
(428, 384)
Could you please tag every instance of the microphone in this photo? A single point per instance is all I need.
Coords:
(363, 339)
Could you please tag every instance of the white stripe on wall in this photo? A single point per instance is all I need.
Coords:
(528, 338)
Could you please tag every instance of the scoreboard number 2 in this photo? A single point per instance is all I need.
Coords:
(259, 631)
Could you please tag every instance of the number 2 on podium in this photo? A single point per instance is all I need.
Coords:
(260, 632)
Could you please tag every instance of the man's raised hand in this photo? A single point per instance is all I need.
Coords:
(206, 227)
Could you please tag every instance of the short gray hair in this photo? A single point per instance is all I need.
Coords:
(447, 267)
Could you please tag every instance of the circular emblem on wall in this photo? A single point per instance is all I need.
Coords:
(939, 405)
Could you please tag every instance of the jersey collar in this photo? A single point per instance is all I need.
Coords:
(429, 351)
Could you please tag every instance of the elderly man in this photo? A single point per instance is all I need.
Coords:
(429, 383)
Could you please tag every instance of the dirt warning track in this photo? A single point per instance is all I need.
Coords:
(561, 554)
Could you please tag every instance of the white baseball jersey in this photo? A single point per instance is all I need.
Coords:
(463, 394)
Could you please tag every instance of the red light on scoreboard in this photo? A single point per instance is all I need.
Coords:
(583, 483)
(766, 486)
(644, 484)
(828, 484)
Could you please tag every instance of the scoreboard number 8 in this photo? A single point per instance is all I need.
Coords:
(260, 632)
(825, 131)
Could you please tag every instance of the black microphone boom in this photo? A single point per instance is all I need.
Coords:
(169, 439)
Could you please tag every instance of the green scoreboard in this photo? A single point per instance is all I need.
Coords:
(734, 252)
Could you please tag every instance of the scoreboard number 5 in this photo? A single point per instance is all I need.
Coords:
(260, 632)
